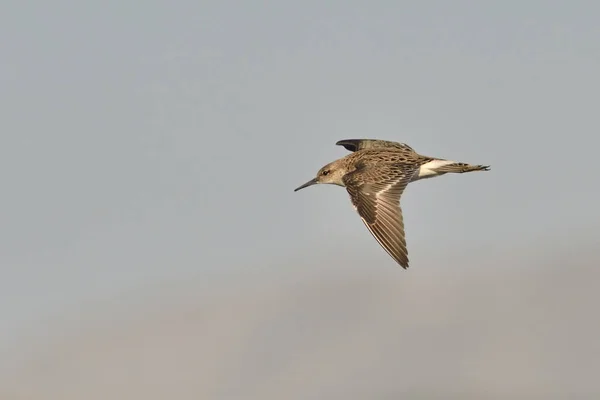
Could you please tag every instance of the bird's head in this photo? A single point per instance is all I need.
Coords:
(332, 174)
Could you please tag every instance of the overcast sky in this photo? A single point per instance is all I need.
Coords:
(152, 143)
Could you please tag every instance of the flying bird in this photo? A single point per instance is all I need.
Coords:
(375, 174)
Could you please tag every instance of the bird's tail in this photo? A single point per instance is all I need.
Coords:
(460, 168)
(437, 167)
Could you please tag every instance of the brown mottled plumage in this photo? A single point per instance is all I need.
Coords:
(375, 174)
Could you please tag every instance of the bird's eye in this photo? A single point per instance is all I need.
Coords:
(326, 172)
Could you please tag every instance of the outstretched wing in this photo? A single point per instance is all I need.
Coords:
(360, 144)
(375, 193)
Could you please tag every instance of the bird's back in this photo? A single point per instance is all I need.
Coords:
(387, 155)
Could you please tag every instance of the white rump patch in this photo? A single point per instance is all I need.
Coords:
(429, 170)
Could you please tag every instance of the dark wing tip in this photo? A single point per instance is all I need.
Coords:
(349, 144)
(400, 257)
(360, 144)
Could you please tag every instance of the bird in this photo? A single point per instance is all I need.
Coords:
(375, 174)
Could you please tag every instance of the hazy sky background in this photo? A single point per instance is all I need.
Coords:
(147, 145)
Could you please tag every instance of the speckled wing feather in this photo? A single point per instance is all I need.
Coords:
(375, 193)
(361, 144)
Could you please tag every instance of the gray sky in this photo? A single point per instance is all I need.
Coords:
(149, 144)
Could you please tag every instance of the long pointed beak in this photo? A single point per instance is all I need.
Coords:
(307, 184)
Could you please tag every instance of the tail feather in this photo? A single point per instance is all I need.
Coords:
(460, 168)
(437, 167)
